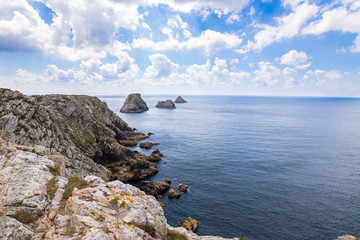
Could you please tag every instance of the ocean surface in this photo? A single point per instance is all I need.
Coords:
(261, 167)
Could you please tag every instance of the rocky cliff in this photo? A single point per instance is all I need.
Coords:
(80, 129)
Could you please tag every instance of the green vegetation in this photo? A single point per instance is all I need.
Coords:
(73, 182)
(172, 235)
(148, 229)
(54, 170)
(51, 187)
(25, 218)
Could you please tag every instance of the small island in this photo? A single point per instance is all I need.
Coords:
(134, 104)
(180, 99)
(166, 104)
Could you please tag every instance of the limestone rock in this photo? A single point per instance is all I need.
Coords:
(10, 228)
(134, 104)
(189, 224)
(166, 104)
(174, 193)
(179, 99)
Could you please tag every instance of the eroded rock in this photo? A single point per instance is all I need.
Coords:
(134, 104)
(166, 104)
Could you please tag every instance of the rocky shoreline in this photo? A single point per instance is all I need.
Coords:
(63, 164)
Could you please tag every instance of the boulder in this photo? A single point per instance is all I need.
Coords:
(189, 224)
(166, 104)
(156, 188)
(155, 156)
(174, 193)
(148, 145)
(134, 104)
(179, 99)
(183, 187)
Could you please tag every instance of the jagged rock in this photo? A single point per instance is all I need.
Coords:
(80, 128)
(10, 229)
(174, 193)
(9, 123)
(134, 104)
(150, 134)
(155, 156)
(179, 99)
(183, 187)
(166, 104)
(156, 188)
(189, 224)
(148, 145)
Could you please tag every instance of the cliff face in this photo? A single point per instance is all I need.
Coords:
(81, 129)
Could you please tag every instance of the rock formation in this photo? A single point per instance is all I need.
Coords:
(155, 156)
(156, 188)
(166, 104)
(80, 129)
(183, 187)
(134, 104)
(148, 145)
(174, 193)
(179, 99)
(189, 224)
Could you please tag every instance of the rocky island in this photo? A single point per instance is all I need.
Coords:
(166, 104)
(179, 99)
(134, 104)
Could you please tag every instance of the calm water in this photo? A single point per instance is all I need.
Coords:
(267, 168)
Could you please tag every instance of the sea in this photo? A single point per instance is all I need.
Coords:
(258, 167)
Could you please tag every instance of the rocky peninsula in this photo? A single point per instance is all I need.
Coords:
(134, 104)
(61, 160)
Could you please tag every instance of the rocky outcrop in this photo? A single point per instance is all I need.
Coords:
(183, 187)
(148, 145)
(156, 188)
(80, 129)
(179, 99)
(134, 104)
(166, 104)
(155, 156)
(189, 224)
(174, 193)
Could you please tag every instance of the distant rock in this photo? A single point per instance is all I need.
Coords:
(166, 104)
(174, 193)
(189, 224)
(156, 188)
(155, 156)
(183, 187)
(179, 99)
(148, 145)
(134, 104)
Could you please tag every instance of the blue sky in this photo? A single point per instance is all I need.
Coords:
(246, 47)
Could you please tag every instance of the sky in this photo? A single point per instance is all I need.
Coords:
(199, 47)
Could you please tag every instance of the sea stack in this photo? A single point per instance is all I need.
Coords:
(134, 104)
(166, 104)
(179, 99)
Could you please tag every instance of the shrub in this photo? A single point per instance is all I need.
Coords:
(25, 218)
(51, 187)
(73, 182)
(172, 235)
(148, 229)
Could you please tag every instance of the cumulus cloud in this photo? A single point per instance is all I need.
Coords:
(210, 40)
(296, 59)
(266, 75)
(161, 66)
(287, 27)
(289, 76)
(322, 77)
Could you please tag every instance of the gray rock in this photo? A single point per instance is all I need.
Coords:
(134, 104)
(166, 104)
(12, 229)
(156, 188)
(179, 99)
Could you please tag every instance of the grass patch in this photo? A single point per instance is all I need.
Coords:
(51, 187)
(172, 235)
(25, 218)
(73, 182)
(148, 229)
(54, 170)
(114, 201)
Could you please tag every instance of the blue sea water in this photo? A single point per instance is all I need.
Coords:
(262, 167)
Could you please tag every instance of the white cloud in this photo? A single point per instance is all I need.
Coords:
(322, 77)
(233, 18)
(210, 40)
(176, 26)
(266, 75)
(296, 59)
(289, 76)
(161, 66)
(287, 27)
